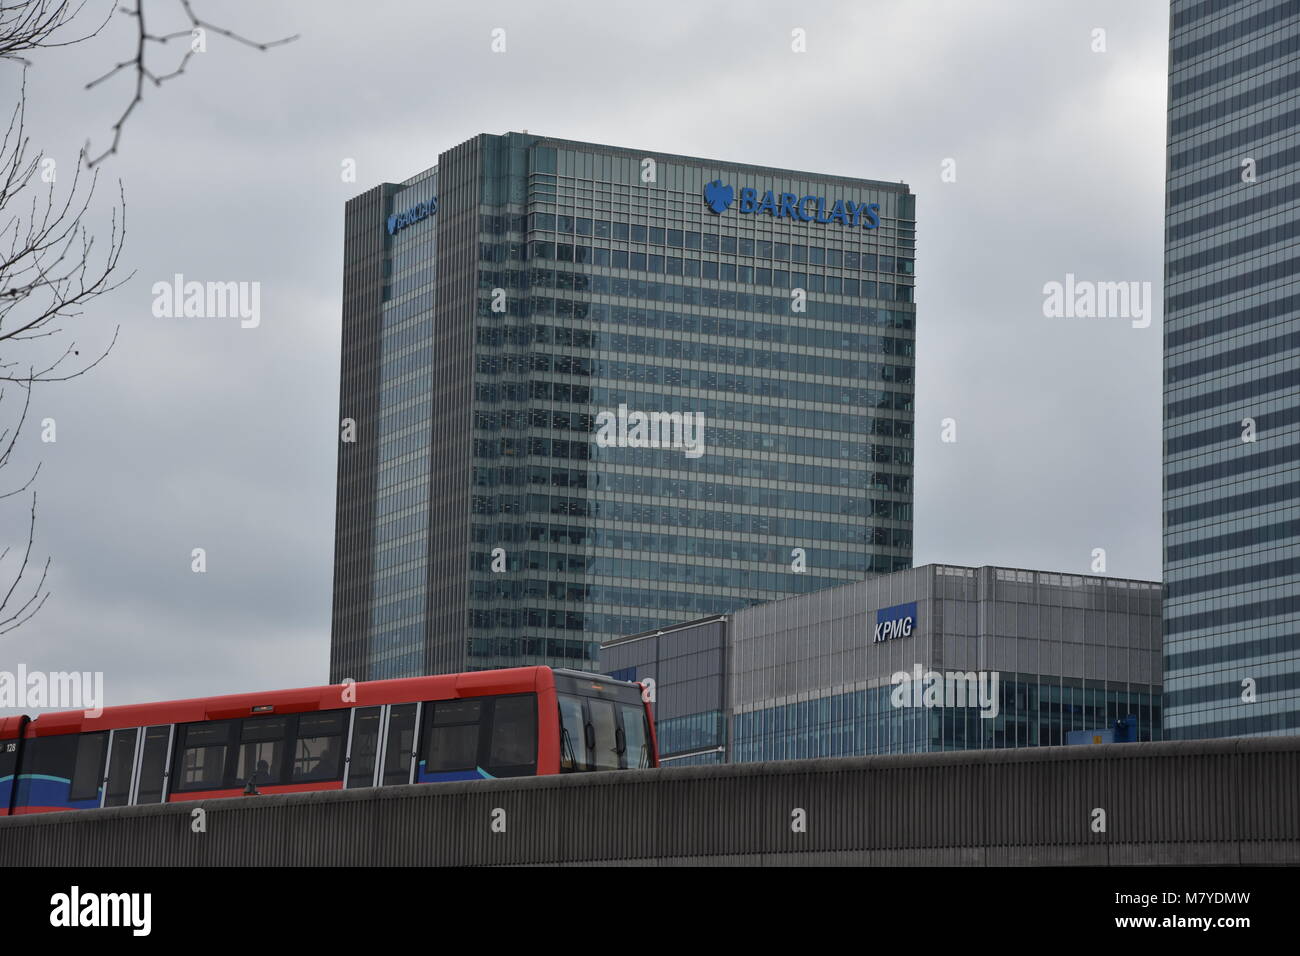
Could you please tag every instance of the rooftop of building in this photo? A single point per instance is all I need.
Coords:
(1059, 579)
(539, 140)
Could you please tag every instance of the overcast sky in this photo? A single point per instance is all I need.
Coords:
(200, 433)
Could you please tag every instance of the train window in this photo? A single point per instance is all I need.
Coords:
(203, 756)
(400, 743)
(452, 735)
(152, 764)
(635, 736)
(75, 758)
(365, 744)
(573, 737)
(604, 752)
(89, 769)
(318, 751)
(121, 761)
(513, 748)
(46, 762)
(261, 750)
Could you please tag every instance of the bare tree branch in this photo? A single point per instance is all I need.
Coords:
(144, 72)
(50, 268)
(12, 617)
(31, 24)
(48, 271)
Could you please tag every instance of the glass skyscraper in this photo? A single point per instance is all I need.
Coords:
(516, 317)
(1232, 370)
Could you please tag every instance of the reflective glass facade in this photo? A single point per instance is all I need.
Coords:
(480, 524)
(806, 676)
(1232, 370)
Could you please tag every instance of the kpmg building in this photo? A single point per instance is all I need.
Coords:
(588, 391)
(938, 657)
(1232, 370)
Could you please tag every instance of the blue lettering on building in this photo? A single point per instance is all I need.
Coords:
(896, 621)
(719, 197)
(400, 220)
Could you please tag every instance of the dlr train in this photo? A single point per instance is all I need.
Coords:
(502, 723)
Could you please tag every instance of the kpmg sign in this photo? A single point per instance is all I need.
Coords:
(896, 621)
(719, 197)
(400, 220)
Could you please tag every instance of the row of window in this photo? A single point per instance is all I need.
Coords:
(1248, 538)
(1229, 395)
(1231, 29)
(861, 722)
(1281, 642)
(709, 242)
(806, 501)
(704, 352)
(1190, 332)
(498, 587)
(613, 340)
(1238, 578)
(633, 540)
(646, 290)
(1237, 98)
(1268, 686)
(1257, 239)
(724, 271)
(1222, 359)
(1235, 615)
(554, 651)
(1239, 67)
(712, 519)
(704, 465)
(507, 476)
(1233, 467)
(1256, 203)
(703, 379)
(713, 410)
(1255, 725)
(1229, 179)
(1251, 500)
(1274, 123)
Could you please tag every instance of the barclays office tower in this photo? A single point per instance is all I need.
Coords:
(596, 390)
(1232, 370)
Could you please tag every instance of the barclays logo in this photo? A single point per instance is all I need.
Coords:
(424, 210)
(719, 198)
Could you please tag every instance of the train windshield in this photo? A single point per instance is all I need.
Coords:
(8, 768)
(603, 724)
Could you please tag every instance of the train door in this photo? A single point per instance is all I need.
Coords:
(120, 767)
(381, 746)
(137, 766)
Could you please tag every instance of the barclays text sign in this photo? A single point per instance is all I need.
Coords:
(400, 220)
(896, 621)
(719, 198)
